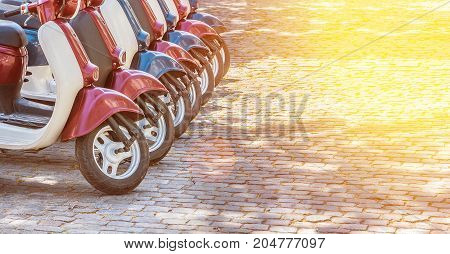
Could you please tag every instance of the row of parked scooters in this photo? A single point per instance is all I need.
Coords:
(122, 77)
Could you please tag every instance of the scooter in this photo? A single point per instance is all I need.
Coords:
(141, 87)
(191, 7)
(112, 10)
(111, 150)
(143, 20)
(176, 18)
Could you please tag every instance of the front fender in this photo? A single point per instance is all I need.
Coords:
(92, 106)
(156, 63)
(210, 20)
(133, 83)
(177, 53)
(198, 28)
(187, 41)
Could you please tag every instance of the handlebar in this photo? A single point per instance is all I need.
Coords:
(15, 12)
(25, 8)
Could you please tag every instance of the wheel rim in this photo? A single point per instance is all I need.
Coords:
(110, 157)
(222, 53)
(155, 135)
(215, 65)
(177, 115)
(204, 81)
(192, 96)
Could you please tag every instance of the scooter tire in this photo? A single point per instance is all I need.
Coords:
(208, 74)
(84, 150)
(158, 153)
(182, 124)
(197, 103)
(226, 57)
(217, 62)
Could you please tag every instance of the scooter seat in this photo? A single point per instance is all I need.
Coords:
(9, 5)
(11, 34)
(13, 2)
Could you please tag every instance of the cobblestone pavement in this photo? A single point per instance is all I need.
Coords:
(306, 134)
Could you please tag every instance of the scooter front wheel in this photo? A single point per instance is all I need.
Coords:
(178, 102)
(193, 82)
(207, 78)
(114, 157)
(226, 57)
(157, 126)
(217, 60)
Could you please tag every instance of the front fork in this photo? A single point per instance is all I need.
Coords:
(142, 102)
(214, 48)
(114, 121)
(169, 81)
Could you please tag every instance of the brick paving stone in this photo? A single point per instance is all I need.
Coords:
(366, 152)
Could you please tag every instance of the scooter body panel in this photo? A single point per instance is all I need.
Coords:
(171, 10)
(186, 40)
(176, 52)
(156, 63)
(210, 20)
(68, 74)
(121, 29)
(159, 14)
(12, 72)
(92, 107)
(198, 28)
(187, 4)
(133, 83)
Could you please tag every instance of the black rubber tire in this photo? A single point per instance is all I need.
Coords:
(197, 105)
(209, 72)
(161, 152)
(94, 175)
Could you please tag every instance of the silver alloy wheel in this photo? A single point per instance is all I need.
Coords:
(215, 65)
(192, 96)
(176, 116)
(204, 81)
(155, 135)
(109, 155)
(222, 53)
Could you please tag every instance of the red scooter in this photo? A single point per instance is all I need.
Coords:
(112, 151)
